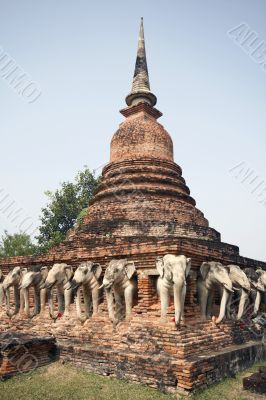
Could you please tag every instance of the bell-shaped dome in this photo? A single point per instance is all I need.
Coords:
(141, 136)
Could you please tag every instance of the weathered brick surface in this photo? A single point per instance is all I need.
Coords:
(147, 350)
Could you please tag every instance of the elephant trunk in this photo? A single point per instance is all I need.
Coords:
(9, 313)
(74, 286)
(224, 301)
(81, 318)
(26, 301)
(242, 303)
(178, 301)
(257, 303)
(49, 285)
(7, 299)
(51, 304)
(106, 284)
(2, 294)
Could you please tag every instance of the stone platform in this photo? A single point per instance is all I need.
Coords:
(147, 350)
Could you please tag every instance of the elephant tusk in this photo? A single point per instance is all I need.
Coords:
(74, 285)
(229, 289)
(49, 285)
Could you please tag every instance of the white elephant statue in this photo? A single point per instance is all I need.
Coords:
(13, 279)
(60, 275)
(262, 281)
(35, 279)
(213, 274)
(120, 285)
(173, 272)
(241, 284)
(258, 287)
(87, 277)
(2, 294)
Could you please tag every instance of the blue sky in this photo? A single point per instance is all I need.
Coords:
(82, 55)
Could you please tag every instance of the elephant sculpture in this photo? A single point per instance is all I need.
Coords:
(87, 277)
(35, 279)
(258, 287)
(173, 271)
(2, 295)
(60, 276)
(120, 285)
(213, 274)
(262, 281)
(241, 284)
(13, 279)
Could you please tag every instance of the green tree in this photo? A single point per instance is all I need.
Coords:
(18, 244)
(66, 207)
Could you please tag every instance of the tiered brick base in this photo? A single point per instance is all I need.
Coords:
(147, 350)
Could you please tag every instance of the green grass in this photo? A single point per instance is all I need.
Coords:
(62, 382)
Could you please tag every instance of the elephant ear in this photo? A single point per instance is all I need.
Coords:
(44, 272)
(69, 272)
(23, 271)
(160, 266)
(130, 269)
(188, 267)
(97, 270)
(204, 269)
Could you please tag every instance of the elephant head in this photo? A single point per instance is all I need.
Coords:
(254, 280)
(14, 277)
(214, 273)
(262, 278)
(117, 272)
(35, 278)
(59, 274)
(85, 272)
(173, 271)
(173, 268)
(238, 277)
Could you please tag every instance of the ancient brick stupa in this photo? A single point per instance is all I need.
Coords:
(143, 193)
(141, 210)
(143, 206)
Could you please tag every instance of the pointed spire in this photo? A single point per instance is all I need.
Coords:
(140, 92)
